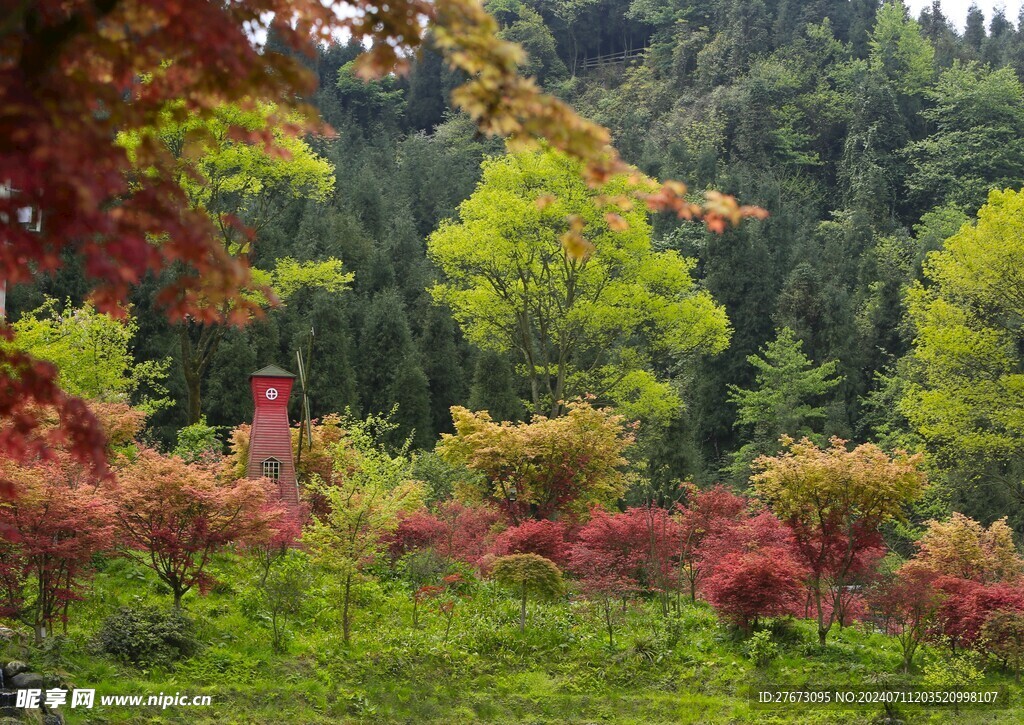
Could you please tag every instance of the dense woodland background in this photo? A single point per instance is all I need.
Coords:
(870, 138)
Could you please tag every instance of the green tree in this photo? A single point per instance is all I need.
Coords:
(899, 51)
(965, 394)
(281, 594)
(493, 387)
(361, 507)
(528, 29)
(93, 354)
(596, 321)
(231, 179)
(528, 574)
(978, 138)
(784, 401)
(974, 31)
(390, 370)
(443, 353)
(198, 443)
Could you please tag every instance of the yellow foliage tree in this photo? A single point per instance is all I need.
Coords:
(963, 547)
(545, 467)
(835, 500)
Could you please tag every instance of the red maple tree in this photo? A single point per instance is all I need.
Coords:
(611, 546)
(173, 516)
(968, 604)
(906, 604)
(57, 523)
(544, 538)
(416, 531)
(607, 558)
(747, 585)
(455, 531)
(705, 512)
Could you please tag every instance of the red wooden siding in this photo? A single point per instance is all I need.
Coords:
(271, 436)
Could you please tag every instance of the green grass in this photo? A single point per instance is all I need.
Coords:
(686, 668)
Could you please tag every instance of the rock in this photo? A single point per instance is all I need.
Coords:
(26, 681)
(13, 668)
(53, 718)
(7, 634)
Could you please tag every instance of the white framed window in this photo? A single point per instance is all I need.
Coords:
(272, 468)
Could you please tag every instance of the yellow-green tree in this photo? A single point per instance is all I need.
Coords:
(964, 548)
(242, 165)
(93, 353)
(527, 574)
(605, 315)
(545, 467)
(965, 395)
(361, 507)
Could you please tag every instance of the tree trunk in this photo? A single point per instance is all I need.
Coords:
(522, 612)
(195, 359)
(345, 610)
(193, 391)
(822, 629)
(608, 622)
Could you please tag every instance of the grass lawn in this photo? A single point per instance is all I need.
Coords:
(683, 668)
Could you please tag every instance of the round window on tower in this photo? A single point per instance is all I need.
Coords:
(271, 393)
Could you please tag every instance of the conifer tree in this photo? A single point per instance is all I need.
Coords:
(494, 388)
(389, 367)
(785, 401)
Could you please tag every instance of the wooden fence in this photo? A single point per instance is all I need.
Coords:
(621, 56)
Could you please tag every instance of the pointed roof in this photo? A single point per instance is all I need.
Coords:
(271, 371)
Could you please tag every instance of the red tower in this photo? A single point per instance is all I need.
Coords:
(270, 445)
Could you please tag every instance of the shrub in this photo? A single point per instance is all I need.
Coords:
(747, 586)
(148, 636)
(528, 574)
(954, 673)
(1002, 636)
(761, 649)
(416, 530)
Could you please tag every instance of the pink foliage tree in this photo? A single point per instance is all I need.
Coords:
(453, 530)
(906, 604)
(56, 524)
(172, 517)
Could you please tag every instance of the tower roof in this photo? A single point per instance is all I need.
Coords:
(271, 371)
